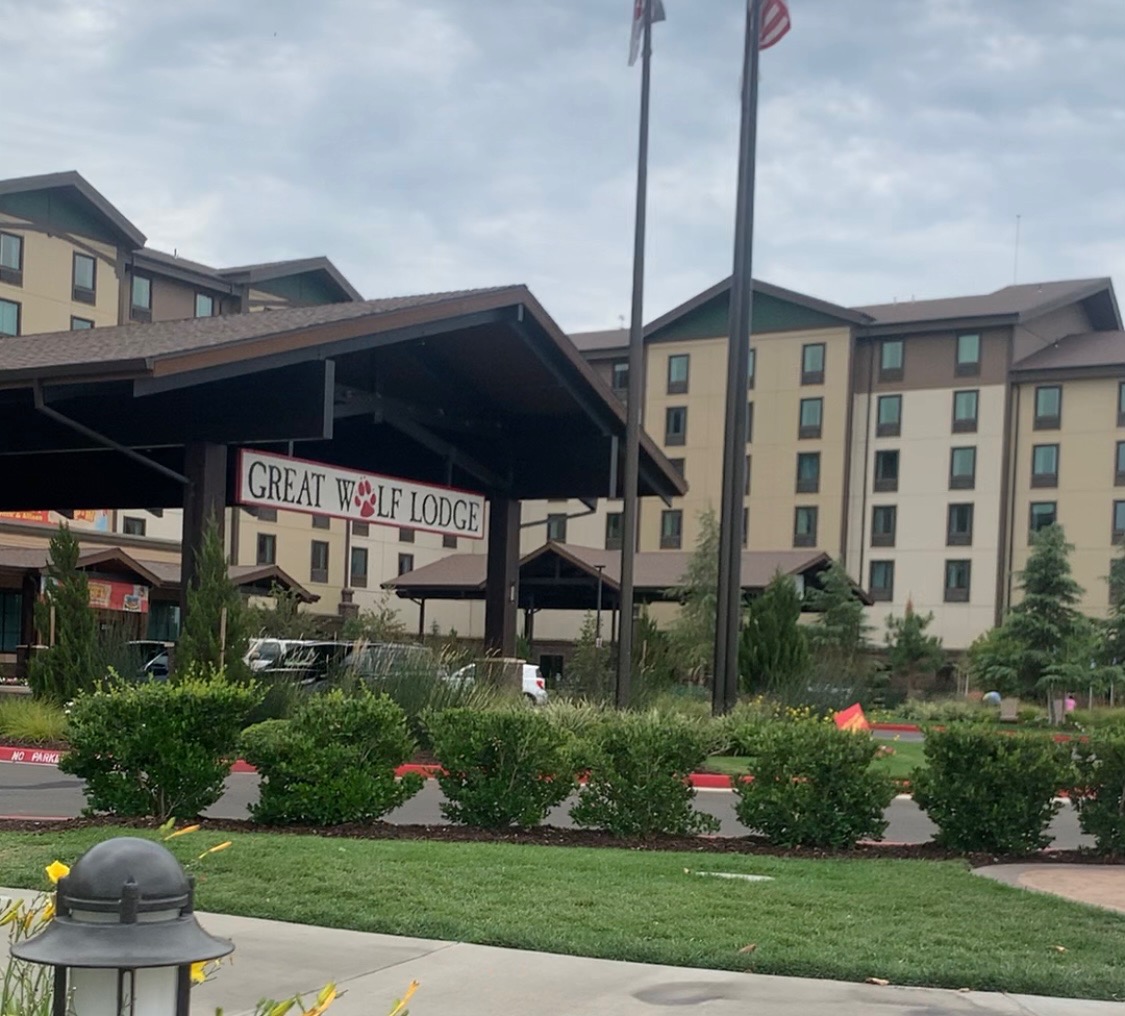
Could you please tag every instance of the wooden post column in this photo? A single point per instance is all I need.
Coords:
(205, 498)
(501, 588)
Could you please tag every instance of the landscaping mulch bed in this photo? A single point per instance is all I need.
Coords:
(553, 836)
(9, 742)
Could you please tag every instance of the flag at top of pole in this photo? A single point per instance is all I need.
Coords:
(639, 7)
(775, 23)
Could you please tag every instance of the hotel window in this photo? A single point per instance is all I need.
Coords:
(11, 604)
(886, 470)
(884, 521)
(671, 529)
(958, 576)
(1045, 465)
(321, 522)
(965, 408)
(359, 567)
(675, 425)
(1118, 521)
(745, 526)
(959, 526)
(678, 365)
(749, 422)
(746, 485)
(1121, 404)
(882, 584)
(1116, 575)
(812, 413)
(1048, 407)
(132, 526)
(962, 468)
(891, 355)
(140, 308)
(267, 549)
(804, 526)
(613, 523)
(889, 416)
(808, 472)
(85, 279)
(556, 528)
(405, 535)
(449, 542)
(1042, 515)
(752, 367)
(361, 528)
(812, 363)
(405, 563)
(968, 354)
(204, 305)
(11, 259)
(80, 324)
(620, 376)
(9, 318)
(1119, 468)
(318, 561)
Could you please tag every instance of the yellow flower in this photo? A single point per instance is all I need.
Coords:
(48, 911)
(199, 972)
(181, 832)
(56, 870)
(11, 915)
(282, 1007)
(400, 1005)
(326, 997)
(214, 850)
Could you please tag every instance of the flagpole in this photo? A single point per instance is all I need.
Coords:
(635, 392)
(724, 692)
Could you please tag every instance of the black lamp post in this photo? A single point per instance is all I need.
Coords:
(124, 935)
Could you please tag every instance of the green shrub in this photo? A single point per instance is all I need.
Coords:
(1098, 719)
(813, 784)
(943, 711)
(502, 768)
(157, 749)
(1099, 790)
(333, 762)
(31, 721)
(990, 791)
(637, 781)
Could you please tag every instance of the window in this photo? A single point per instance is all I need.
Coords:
(675, 425)
(891, 356)
(10, 607)
(405, 563)
(9, 318)
(884, 521)
(889, 417)
(959, 526)
(141, 299)
(11, 259)
(80, 324)
(882, 584)
(1118, 521)
(1119, 467)
(1116, 582)
(556, 528)
(886, 470)
(968, 354)
(361, 528)
(749, 422)
(613, 523)
(957, 578)
(1121, 404)
(1045, 465)
(812, 363)
(745, 525)
(677, 465)
(962, 469)
(318, 567)
(671, 529)
(808, 472)
(132, 526)
(321, 522)
(1048, 407)
(804, 526)
(812, 412)
(620, 375)
(85, 278)
(449, 542)
(267, 548)
(405, 535)
(753, 368)
(204, 305)
(746, 487)
(1042, 515)
(677, 373)
(359, 567)
(965, 405)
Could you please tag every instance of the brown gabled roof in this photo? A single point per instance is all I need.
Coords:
(1077, 352)
(81, 188)
(613, 338)
(266, 270)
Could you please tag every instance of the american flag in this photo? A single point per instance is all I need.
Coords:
(639, 7)
(775, 23)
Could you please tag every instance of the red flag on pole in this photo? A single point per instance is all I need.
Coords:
(775, 23)
(639, 6)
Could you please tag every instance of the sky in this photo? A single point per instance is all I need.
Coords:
(429, 145)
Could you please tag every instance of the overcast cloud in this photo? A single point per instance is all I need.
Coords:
(443, 144)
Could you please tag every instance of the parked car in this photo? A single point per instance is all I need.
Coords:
(153, 659)
(534, 685)
(307, 663)
(375, 660)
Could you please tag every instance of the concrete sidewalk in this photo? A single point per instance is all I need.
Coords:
(275, 959)
(1100, 885)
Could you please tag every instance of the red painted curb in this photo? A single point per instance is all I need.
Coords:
(29, 756)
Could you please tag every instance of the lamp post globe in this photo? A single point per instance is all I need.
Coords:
(124, 935)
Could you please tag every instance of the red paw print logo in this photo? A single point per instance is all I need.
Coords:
(365, 499)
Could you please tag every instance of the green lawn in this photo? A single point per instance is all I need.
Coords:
(907, 756)
(912, 922)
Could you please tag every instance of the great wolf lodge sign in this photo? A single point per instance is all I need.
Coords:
(275, 481)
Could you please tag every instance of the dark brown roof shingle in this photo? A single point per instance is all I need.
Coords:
(1075, 352)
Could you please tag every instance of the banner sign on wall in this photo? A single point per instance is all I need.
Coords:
(105, 594)
(276, 481)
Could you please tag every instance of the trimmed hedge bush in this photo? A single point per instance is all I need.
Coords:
(157, 749)
(637, 782)
(990, 791)
(813, 784)
(1099, 789)
(333, 762)
(504, 768)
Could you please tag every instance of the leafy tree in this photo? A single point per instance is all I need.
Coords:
(693, 631)
(994, 662)
(284, 619)
(654, 663)
(839, 635)
(201, 645)
(75, 662)
(381, 623)
(773, 652)
(912, 652)
(589, 672)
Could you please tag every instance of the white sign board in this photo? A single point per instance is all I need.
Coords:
(277, 481)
